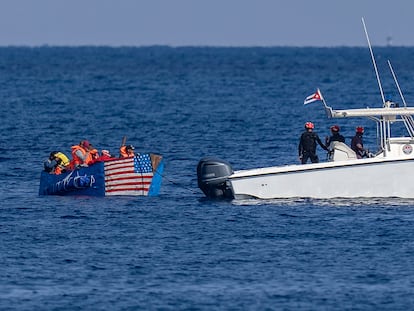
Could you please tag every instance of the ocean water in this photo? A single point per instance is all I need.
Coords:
(180, 251)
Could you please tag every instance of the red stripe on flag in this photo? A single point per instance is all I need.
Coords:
(132, 183)
(122, 178)
(126, 189)
(120, 173)
(143, 177)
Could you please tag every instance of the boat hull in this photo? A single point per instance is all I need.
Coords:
(351, 179)
(137, 176)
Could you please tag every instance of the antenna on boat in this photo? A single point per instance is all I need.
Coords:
(397, 84)
(408, 121)
(383, 128)
(373, 62)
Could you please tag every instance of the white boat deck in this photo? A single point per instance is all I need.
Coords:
(312, 166)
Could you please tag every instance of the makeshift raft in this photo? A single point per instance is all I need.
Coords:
(140, 175)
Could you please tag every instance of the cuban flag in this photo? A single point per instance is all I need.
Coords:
(314, 97)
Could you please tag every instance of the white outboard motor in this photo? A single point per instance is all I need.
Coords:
(213, 178)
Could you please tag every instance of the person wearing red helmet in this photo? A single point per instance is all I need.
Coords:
(307, 144)
(335, 136)
(357, 143)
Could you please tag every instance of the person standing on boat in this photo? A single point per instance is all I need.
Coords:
(357, 143)
(335, 136)
(307, 144)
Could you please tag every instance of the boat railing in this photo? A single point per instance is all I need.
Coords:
(409, 124)
(401, 140)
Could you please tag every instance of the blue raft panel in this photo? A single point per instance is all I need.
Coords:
(136, 176)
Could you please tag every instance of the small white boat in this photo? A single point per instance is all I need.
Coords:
(387, 173)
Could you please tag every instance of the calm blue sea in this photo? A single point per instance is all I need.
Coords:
(180, 251)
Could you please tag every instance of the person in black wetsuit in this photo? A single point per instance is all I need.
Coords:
(335, 136)
(357, 144)
(307, 144)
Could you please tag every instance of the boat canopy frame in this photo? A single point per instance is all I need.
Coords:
(384, 117)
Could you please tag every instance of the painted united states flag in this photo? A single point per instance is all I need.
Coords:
(128, 176)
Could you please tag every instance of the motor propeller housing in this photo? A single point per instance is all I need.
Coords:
(213, 176)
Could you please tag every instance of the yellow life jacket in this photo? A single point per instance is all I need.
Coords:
(63, 157)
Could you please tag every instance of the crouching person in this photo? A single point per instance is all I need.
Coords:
(57, 163)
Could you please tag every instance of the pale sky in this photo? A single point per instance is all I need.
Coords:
(205, 23)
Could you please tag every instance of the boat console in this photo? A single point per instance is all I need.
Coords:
(341, 152)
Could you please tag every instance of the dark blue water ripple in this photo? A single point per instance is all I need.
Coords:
(180, 251)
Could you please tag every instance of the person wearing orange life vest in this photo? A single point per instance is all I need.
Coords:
(127, 151)
(105, 156)
(94, 153)
(81, 154)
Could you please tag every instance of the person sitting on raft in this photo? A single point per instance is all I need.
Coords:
(57, 163)
(105, 156)
(127, 151)
(82, 154)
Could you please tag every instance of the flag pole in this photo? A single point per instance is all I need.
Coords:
(328, 110)
(398, 85)
(323, 99)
